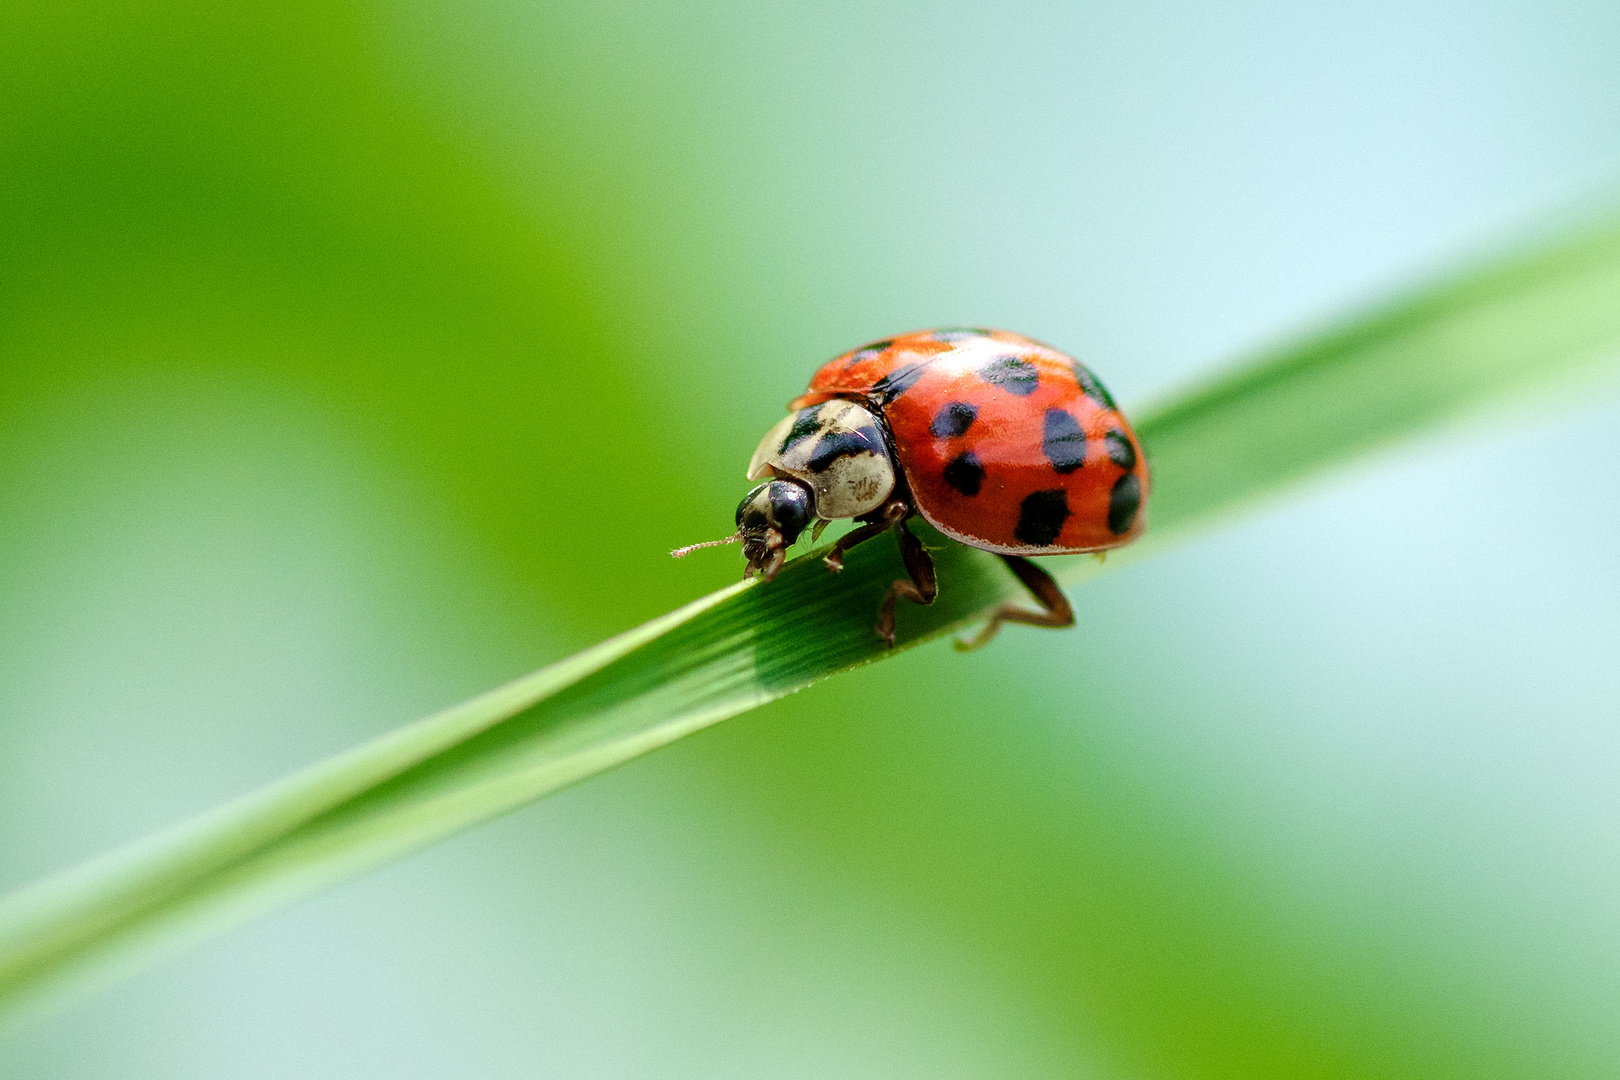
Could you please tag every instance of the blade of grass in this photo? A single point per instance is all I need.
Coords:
(1524, 323)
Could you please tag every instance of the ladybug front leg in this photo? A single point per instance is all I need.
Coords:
(921, 589)
(1058, 613)
(878, 522)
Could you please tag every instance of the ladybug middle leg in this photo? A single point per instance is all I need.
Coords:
(921, 589)
(1058, 613)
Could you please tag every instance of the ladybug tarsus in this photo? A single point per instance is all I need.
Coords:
(1058, 613)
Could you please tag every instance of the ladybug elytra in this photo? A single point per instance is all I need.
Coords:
(998, 441)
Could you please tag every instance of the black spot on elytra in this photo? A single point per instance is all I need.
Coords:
(1012, 374)
(1120, 450)
(958, 333)
(1092, 388)
(837, 444)
(953, 420)
(897, 382)
(1064, 442)
(1123, 502)
(867, 352)
(806, 424)
(964, 473)
(1041, 517)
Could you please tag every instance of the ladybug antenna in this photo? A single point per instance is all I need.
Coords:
(689, 548)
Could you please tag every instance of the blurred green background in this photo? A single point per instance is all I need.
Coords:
(354, 359)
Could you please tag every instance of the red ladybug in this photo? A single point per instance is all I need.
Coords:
(1000, 442)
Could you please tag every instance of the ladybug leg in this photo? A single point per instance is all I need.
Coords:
(921, 589)
(879, 522)
(773, 564)
(1058, 613)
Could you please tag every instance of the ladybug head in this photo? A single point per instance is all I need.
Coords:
(769, 519)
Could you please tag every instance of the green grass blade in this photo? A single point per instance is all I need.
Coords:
(1528, 322)
(1525, 324)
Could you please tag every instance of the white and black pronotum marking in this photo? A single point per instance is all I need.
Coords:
(836, 449)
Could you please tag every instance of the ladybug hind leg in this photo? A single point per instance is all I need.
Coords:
(922, 587)
(1057, 613)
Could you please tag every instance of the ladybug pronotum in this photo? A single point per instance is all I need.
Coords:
(999, 442)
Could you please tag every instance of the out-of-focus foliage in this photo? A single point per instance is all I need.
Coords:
(353, 359)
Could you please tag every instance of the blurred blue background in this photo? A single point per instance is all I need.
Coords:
(340, 352)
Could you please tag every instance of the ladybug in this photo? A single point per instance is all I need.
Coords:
(998, 441)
